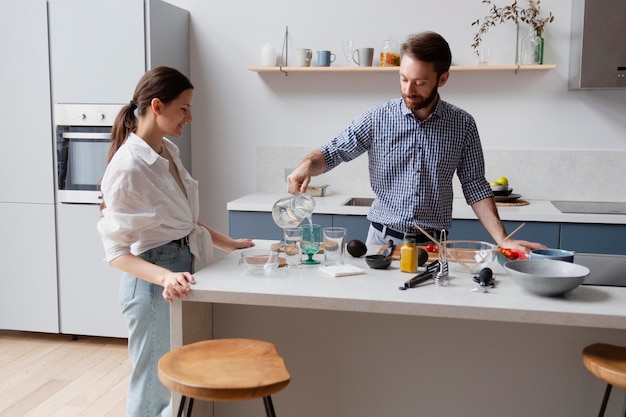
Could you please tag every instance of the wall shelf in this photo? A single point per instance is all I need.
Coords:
(455, 68)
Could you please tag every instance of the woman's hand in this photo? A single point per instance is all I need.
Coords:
(242, 243)
(176, 285)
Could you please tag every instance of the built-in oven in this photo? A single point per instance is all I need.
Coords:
(83, 138)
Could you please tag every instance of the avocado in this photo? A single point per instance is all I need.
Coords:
(422, 256)
(356, 248)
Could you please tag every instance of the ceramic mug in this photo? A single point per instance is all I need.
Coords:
(303, 57)
(324, 58)
(363, 57)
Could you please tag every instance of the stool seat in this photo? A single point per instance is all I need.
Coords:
(224, 370)
(607, 362)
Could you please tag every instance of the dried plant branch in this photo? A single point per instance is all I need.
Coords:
(513, 13)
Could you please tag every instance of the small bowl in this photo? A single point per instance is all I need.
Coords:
(556, 254)
(259, 261)
(546, 277)
(499, 188)
(378, 261)
(468, 255)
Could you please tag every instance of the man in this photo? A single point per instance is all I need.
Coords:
(415, 144)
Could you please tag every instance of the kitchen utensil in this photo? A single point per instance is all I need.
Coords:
(556, 254)
(442, 277)
(378, 261)
(311, 239)
(429, 273)
(432, 239)
(389, 250)
(290, 211)
(259, 261)
(546, 277)
(470, 255)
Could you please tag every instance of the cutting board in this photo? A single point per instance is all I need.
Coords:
(432, 256)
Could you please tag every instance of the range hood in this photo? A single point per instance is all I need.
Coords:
(598, 45)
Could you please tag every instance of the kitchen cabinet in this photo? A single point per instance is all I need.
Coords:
(594, 238)
(88, 286)
(546, 233)
(260, 225)
(27, 211)
(29, 268)
(100, 49)
(26, 157)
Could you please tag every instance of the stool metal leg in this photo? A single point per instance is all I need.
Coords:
(605, 400)
(181, 408)
(269, 407)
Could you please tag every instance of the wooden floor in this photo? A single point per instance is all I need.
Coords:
(51, 375)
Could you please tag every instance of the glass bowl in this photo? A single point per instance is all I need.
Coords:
(259, 261)
(468, 255)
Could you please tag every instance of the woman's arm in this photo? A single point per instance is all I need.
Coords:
(175, 284)
(224, 242)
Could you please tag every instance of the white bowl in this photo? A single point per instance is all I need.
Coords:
(499, 187)
(546, 276)
(468, 255)
(259, 261)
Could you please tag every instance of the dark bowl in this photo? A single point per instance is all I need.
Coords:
(378, 261)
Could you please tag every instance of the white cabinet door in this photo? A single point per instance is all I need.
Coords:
(88, 286)
(29, 269)
(97, 50)
(26, 157)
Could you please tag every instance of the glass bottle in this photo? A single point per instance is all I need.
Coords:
(531, 48)
(290, 211)
(408, 256)
(390, 54)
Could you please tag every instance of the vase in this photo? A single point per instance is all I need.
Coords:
(531, 49)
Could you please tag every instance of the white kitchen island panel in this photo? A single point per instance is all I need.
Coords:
(358, 346)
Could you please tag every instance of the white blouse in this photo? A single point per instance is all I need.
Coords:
(145, 207)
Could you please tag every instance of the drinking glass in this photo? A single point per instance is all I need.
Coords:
(348, 49)
(334, 245)
(311, 239)
(293, 246)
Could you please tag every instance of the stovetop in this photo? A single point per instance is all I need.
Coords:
(590, 207)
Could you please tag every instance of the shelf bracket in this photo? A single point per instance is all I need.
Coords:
(284, 53)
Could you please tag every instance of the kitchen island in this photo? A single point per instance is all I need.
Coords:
(358, 346)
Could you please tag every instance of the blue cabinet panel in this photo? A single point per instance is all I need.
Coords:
(357, 226)
(546, 233)
(260, 225)
(594, 238)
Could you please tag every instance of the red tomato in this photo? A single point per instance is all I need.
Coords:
(430, 247)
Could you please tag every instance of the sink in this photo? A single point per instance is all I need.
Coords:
(359, 201)
(590, 207)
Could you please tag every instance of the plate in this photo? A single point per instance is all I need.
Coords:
(510, 197)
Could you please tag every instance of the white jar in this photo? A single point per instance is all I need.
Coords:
(268, 56)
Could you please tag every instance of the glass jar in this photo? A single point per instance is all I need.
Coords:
(390, 54)
(531, 49)
(290, 211)
(408, 256)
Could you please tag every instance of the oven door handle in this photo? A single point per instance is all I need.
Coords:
(86, 135)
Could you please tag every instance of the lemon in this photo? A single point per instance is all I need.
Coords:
(503, 181)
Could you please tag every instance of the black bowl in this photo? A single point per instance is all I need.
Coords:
(378, 261)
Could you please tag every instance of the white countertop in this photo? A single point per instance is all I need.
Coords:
(377, 291)
(537, 210)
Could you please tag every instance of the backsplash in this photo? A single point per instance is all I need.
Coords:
(535, 174)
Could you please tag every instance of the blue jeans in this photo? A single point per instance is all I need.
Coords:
(148, 316)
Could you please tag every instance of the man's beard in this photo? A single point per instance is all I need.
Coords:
(422, 102)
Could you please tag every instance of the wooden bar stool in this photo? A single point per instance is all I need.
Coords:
(224, 370)
(607, 362)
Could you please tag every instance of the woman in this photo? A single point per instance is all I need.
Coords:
(150, 228)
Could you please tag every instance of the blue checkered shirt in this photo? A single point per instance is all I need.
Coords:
(411, 163)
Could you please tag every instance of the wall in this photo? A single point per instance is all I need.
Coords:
(238, 112)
